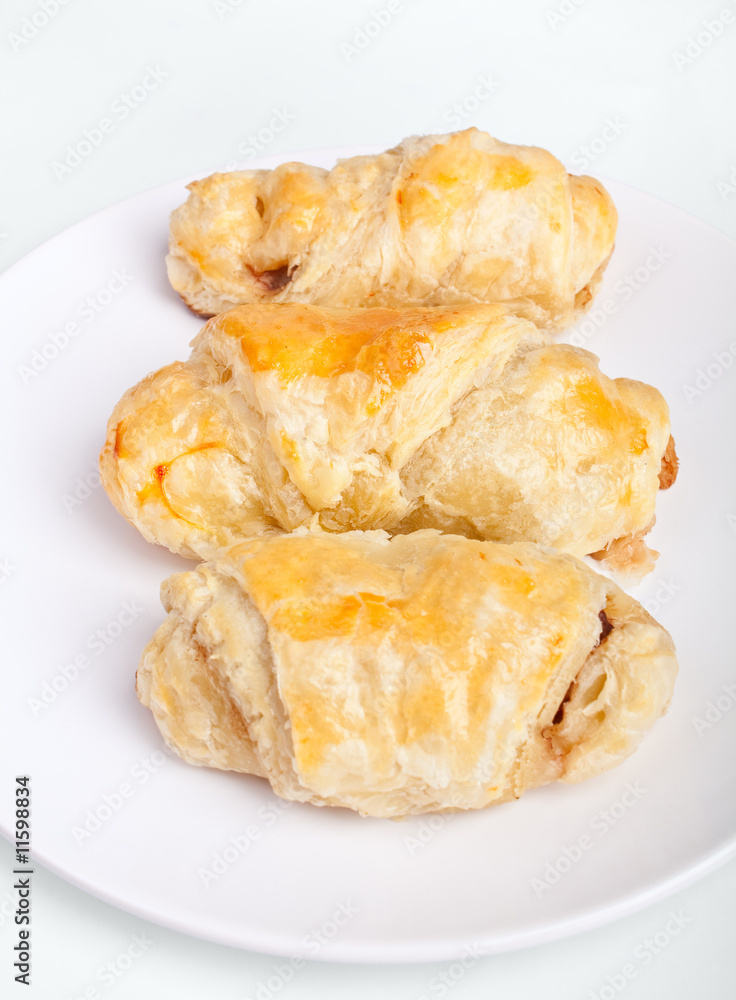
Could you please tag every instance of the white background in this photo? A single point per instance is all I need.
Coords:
(560, 75)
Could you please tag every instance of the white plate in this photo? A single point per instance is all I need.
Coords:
(320, 882)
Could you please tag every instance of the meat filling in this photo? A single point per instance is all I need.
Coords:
(606, 629)
(670, 464)
(273, 280)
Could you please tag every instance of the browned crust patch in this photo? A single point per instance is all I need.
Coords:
(670, 465)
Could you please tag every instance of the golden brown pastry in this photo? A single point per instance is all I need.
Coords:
(438, 220)
(464, 419)
(426, 672)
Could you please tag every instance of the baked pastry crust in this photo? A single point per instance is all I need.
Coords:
(438, 220)
(465, 419)
(398, 676)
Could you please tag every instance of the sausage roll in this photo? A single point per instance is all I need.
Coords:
(465, 419)
(407, 675)
(438, 220)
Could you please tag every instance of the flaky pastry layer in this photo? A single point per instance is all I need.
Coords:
(438, 220)
(460, 418)
(398, 676)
